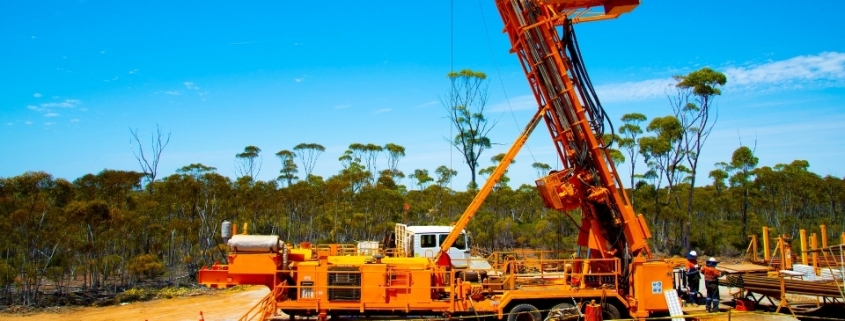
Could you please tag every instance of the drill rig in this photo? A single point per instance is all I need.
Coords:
(618, 268)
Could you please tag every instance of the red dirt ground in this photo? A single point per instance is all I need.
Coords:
(228, 305)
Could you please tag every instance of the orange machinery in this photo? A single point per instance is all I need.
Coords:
(618, 269)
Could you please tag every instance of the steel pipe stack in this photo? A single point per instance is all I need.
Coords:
(771, 286)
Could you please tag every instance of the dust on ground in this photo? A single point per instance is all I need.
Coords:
(223, 305)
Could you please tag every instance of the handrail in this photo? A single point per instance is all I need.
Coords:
(266, 307)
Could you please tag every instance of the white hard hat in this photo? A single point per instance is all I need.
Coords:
(711, 259)
(693, 253)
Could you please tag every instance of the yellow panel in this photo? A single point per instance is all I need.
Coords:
(299, 254)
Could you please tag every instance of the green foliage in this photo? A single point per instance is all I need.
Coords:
(422, 178)
(248, 162)
(703, 82)
(289, 168)
(465, 105)
(146, 294)
(107, 232)
(145, 266)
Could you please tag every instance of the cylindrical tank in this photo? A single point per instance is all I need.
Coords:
(255, 243)
(226, 231)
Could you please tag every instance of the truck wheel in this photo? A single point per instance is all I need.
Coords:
(525, 312)
(610, 312)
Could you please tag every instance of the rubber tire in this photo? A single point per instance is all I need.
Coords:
(522, 311)
(610, 312)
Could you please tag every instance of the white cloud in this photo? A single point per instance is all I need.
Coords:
(49, 123)
(28, 122)
(133, 71)
(36, 95)
(430, 103)
(190, 85)
(824, 70)
(800, 71)
(32, 107)
(381, 111)
(75, 120)
(51, 115)
(83, 109)
(633, 91)
(298, 79)
(68, 103)
(9, 123)
(171, 92)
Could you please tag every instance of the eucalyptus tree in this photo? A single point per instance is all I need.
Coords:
(662, 157)
(385, 180)
(289, 169)
(196, 170)
(743, 163)
(693, 105)
(542, 169)
(371, 152)
(308, 154)
(661, 152)
(248, 163)
(615, 154)
(105, 208)
(394, 154)
(31, 205)
(631, 131)
(422, 178)
(465, 105)
(719, 175)
(149, 165)
(444, 175)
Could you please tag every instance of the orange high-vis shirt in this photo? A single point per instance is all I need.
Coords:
(710, 273)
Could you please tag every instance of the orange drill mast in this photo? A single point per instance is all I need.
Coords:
(575, 120)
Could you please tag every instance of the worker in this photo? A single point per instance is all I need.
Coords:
(693, 276)
(711, 283)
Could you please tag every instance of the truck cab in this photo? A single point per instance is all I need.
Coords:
(425, 241)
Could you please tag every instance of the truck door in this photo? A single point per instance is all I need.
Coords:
(425, 245)
(459, 252)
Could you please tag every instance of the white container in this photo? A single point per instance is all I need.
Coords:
(368, 248)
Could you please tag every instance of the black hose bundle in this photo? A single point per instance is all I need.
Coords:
(585, 86)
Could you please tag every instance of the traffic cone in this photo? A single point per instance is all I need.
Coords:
(202, 318)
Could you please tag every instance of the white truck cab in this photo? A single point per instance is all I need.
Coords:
(425, 241)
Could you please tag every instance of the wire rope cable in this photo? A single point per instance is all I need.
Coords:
(499, 74)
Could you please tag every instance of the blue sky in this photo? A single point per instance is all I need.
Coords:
(75, 76)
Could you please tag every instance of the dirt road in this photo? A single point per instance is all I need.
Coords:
(229, 305)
